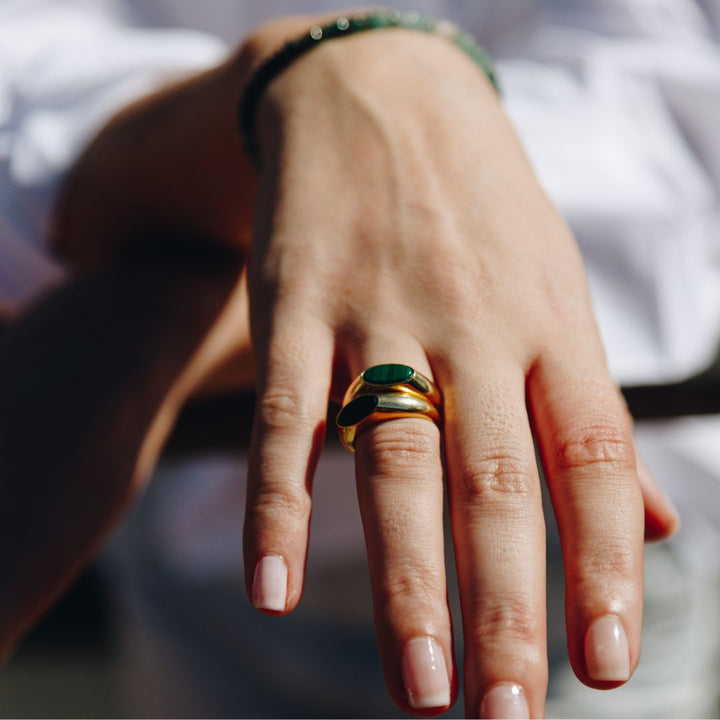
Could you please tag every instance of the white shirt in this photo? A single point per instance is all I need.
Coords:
(618, 105)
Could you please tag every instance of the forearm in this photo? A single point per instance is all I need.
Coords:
(175, 158)
(91, 380)
(171, 160)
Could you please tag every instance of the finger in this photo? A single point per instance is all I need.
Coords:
(400, 489)
(585, 437)
(294, 368)
(499, 535)
(661, 518)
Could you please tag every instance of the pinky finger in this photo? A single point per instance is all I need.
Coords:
(661, 518)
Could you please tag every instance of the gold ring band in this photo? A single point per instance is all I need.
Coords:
(386, 392)
(391, 377)
(376, 407)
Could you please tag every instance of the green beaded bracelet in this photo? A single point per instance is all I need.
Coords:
(293, 49)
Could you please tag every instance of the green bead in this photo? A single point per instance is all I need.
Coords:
(388, 374)
(357, 410)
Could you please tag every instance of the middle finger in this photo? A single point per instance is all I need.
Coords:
(499, 534)
(400, 489)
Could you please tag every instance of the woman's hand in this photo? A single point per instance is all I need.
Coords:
(399, 221)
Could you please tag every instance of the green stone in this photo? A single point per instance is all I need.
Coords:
(357, 410)
(388, 374)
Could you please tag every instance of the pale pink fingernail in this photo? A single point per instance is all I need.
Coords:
(269, 590)
(606, 650)
(425, 674)
(505, 701)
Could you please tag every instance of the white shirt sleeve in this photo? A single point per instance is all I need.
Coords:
(618, 106)
(65, 67)
(617, 103)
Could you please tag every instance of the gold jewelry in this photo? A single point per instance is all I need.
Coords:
(386, 392)
(392, 376)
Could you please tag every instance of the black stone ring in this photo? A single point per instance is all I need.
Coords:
(386, 392)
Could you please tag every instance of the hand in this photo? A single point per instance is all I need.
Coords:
(399, 221)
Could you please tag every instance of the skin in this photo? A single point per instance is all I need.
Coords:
(400, 188)
(92, 378)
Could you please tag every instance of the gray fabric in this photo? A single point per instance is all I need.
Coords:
(193, 646)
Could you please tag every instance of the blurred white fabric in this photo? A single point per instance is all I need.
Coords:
(65, 67)
(616, 102)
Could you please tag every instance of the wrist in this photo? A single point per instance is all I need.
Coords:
(356, 88)
(398, 63)
(342, 28)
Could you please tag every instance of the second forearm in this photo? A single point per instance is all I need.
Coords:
(171, 160)
(91, 380)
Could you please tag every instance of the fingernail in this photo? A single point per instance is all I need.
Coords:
(425, 674)
(269, 590)
(505, 701)
(606, 650)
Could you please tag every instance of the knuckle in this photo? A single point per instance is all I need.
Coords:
(411, 585)
(282, 409)
(602, 446)
(507, 621)
(404, 444)
(614, 562)
(288, 503)
(496, 478)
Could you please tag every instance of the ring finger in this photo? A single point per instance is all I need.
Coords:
(400, 490)
(499, 535)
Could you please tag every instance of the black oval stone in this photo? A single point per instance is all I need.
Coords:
(357, 410)
(388, 374)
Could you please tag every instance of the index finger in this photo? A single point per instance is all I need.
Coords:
(586, 444)
(498, 533)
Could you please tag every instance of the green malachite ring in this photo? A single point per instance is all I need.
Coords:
(392, 376)
(386, 392)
